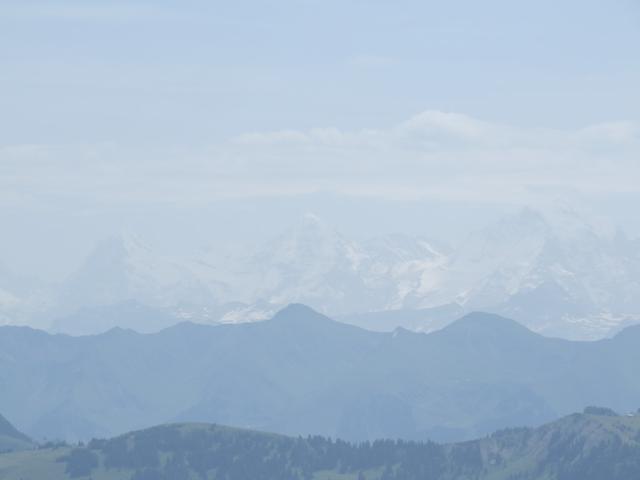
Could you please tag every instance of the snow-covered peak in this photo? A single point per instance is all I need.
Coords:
(402, 248)
(545, 268)
(542, 267)
(123, 268)
(311, 221)
(125, 248)
(311, 230)
(311, 244)
(512, 242)
(521, 238)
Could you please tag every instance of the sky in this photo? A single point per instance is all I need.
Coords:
(199, 123)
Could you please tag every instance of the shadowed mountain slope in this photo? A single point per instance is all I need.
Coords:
(303, 373)
(11, 439)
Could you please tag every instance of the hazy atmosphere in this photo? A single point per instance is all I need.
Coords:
(319, 240)
(198, 124)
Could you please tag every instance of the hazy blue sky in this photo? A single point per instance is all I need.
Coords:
(193, 121)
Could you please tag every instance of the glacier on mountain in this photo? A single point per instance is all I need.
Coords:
(555, 272)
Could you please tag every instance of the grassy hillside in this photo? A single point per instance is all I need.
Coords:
(579, 447)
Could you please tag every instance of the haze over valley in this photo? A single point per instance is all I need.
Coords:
(319, 240)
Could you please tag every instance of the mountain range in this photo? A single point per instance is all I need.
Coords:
(555, 272)
(595, 445)
(301, 372)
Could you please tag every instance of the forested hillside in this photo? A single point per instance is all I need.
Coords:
(596, 445)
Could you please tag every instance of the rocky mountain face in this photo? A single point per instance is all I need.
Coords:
(558, 275)
(123, 268)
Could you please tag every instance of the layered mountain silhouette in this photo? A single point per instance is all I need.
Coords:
(556, 273)
(135, 315)
(302, 373)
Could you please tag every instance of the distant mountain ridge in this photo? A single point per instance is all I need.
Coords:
(132, 314)
(595, 445)
(554, 272)
(122, 269)
(302, 372)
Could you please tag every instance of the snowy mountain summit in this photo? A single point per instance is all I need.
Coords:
(554, 271)
(123, 268)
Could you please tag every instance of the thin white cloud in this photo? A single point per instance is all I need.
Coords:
(435, 155)
(433, 130)
(610, 134)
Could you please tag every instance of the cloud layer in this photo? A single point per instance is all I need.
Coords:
(434, 154)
